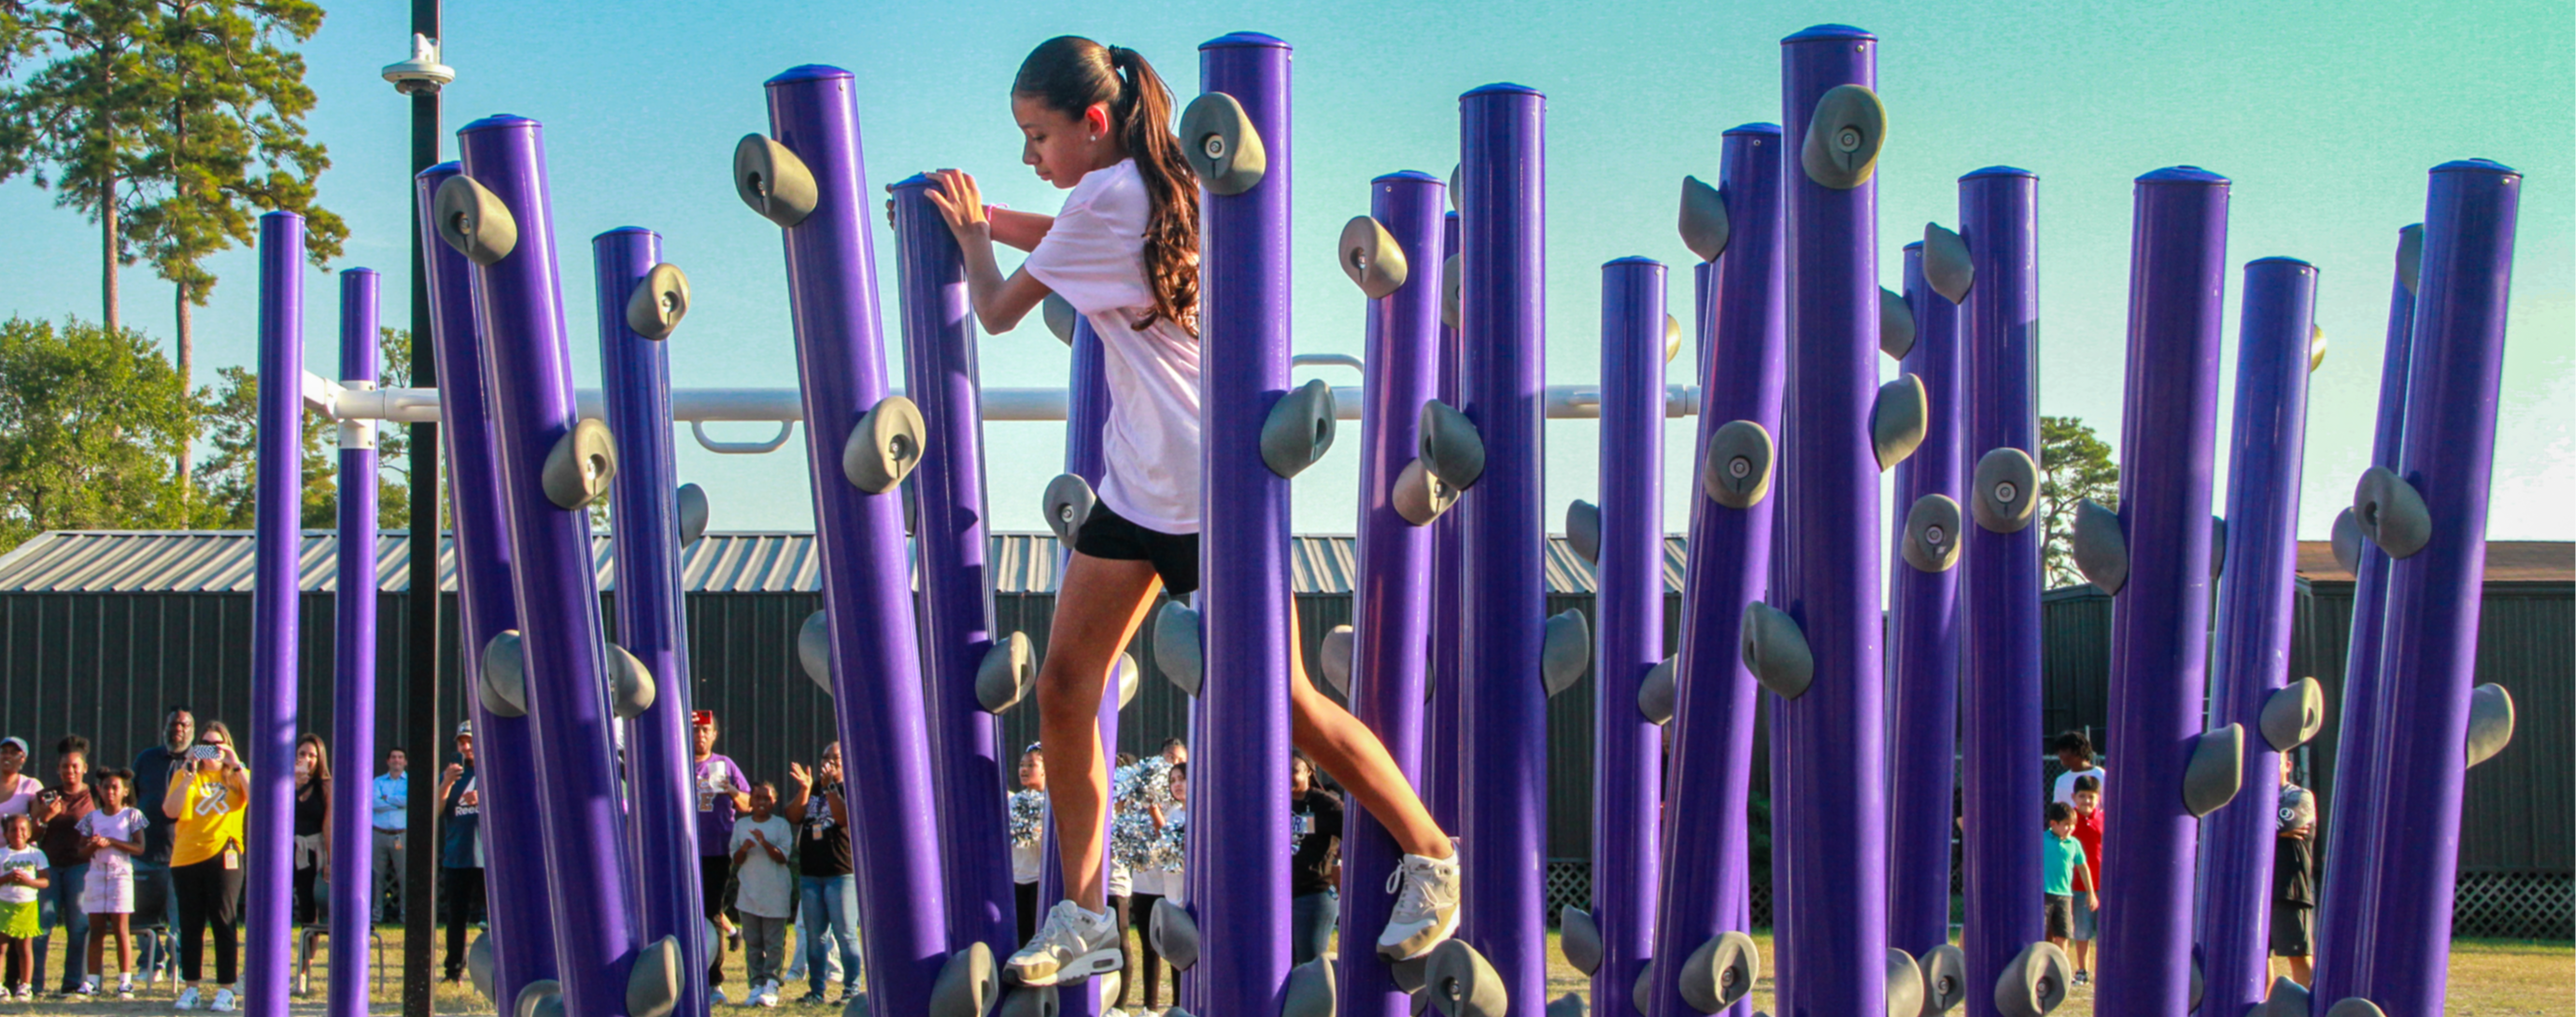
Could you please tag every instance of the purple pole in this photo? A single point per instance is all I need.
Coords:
(955, 599)
(1392, 615)
(353, 690)
(650, 622)
(521, 924)
(269, 831)
(1628, 640)
(2160, 626)
(2253, 640)
(1239, 785)
(1999, 582)
(1503, 701)
(1923, 665)
(2429, 646)
(1440, 758)
(867, 587)
(1835, 942)
(1705, 889)
(529, 381)
(2351, 867)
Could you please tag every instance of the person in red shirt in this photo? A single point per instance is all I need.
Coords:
(2088, 830)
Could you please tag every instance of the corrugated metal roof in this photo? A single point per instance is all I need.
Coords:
(2508, 561)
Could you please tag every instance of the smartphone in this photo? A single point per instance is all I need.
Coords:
(206, 752)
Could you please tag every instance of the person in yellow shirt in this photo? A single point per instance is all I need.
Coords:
(209, 792)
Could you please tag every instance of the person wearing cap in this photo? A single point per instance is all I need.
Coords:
(722, 791)
(17, 790)
(460, 849)
(153, 769)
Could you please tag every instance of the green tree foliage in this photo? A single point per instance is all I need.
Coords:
(73, 122)
(231, 413)
(2075, 466)
(91, 420)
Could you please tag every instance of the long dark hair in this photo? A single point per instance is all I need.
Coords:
(1069, 73)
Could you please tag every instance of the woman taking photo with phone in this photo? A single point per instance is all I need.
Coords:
(208, 796)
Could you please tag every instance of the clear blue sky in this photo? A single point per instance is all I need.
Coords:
(2325, 114)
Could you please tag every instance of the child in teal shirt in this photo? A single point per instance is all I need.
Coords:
(2061, 867)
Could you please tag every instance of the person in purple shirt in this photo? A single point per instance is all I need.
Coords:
(722, 790)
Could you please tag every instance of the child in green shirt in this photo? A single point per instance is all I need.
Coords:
(2061, 868)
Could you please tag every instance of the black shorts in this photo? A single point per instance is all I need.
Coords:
(2060, 912)
(1175, 556)
(2292, 928)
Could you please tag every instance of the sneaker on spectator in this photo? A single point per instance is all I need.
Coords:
(223, 1001)
(188, 998)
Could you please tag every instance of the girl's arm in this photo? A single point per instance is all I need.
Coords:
(1022, 230)
(999, 303)
(131, 847)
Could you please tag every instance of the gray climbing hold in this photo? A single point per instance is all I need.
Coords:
(473, 220)
(2217, 547)
(1565, 650)
(1059, 316)
(814, 649)
(1705, 228)
(1299, 429)
(2391, 512)
(2288, 999)
(1452, 449)
(1309, 992)
(1408, 974)
(1335, 656)
(1946, 267)
(579, 467)
(2410, 256)
(2216, 771)
(1419, 496)
(1721, 972)
(884, 445)
(2100, 549)
(1219, 141)
(1176, 934)
(653, 983)
(1642, 993)
(1895, 324)
(1463, 984)
(2004, 494)
(2197, 983)
(1067, 504)
(1568, 1005)
(1003, 678)
(655, 308)
(2346, 539)
(1904, 985)
(630, 684)
(2034, 982)
(1672, 338)
(1932, 533)
(1453, 185)
(1021, 1001)
(1843, 137)
(1898, 420)
(1736, 472)
(503, 678)
(969, 983)
(1372, 258)
(1580, 940)
(1658, 692)
(540, 998)
(2316, 347)
(1775, 650)
(695, 513)
(478, 964)
(1449, 290)
(2293, 714)
(1583, 530)
(2490, 722)
(2356, 1006)
(1130, 676)
(773, 181)
(1177, 650)
(1945, 979)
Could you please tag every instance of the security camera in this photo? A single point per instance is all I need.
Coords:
(421, 73)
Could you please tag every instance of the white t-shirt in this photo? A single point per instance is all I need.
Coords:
(768, 889)
(29, 860)
(2066, 784)
(126, 825)
(17, 796)
(1094, 256)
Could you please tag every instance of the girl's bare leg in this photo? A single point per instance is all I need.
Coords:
(98, 933)
(1097, 610)
(1353, 755)
(124, 946)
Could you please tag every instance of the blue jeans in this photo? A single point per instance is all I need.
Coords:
(828, 913)
(1311, 918)
(59, 901)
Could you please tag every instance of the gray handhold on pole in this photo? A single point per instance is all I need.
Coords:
(1334, 655)
(1579, 940)
(1462, 983)
(2034, 982)
(1008, 670)
(2410, 255)
(579, 466)
(1219, 140)
(1178, 650)
(1945, 979)
(540, 998)
(1568, 1005)
(1067, 504)
(1775, 650)
(1672, 338)
(1565, 650)
(1059, 316)
(1721, 972)
(1642, 992)
(2346, 539)
(2100, 549)
(1176, 934)
(1736, 472)
(1420, 496)
(1659, 692)
(1453, 190)
(2217, 547)
(814, 649)
(2216, 771)
(1904, 985)
(1408, 975)
(2355, 1007)
(630, 684)
(478, 964)
(1583, 530)
(502, 683)
(2198, 982)
(1131, 676)
(771, 179)
(1017, 1001)
(654, 309)
(1844, 136)
(1946, 266)
(2490, 722)
(474, 221)
(969, 984)
(1309, 992)
(2316, 347)
(1932, 533)
(2004, 491)
(1372, 258)
(1452, 449)
(1449, 291)
(653, 983)
(1898, 420)
(695, 512)
(2293, 714)
(1896, 330)
(1299, 429)
(884, 445)
(2391, 512)
(1705, 228)
(2287, 999)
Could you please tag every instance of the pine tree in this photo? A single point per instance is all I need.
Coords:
(72, 124)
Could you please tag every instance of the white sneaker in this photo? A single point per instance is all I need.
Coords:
(1426, 908)
(125, 986)
(223, 1001)
(767, 996)
(188, 998)
(716, 997)
(26, 991)
(88, 986)
(1073, 945)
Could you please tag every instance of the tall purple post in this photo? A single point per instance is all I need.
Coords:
(1923, 623)
(270, 831)
(1743, 342)
(867, 588)
(1502, 208)
(2160, 624)
(353, 665)
(1392, 615)
(1239, 776)
(1086, 411)
(2253, 638)
(1834, 733)
(521, 926)
(1628, 638)
(1440, 759)
(2351, 852)
(941, 374)
(650, 621)
(1999, 578)
(588, 859)
(2429, 646)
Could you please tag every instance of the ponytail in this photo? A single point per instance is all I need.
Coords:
(1070, 73)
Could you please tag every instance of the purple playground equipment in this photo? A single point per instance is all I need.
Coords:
(1922, 619)
(353, 656)
(268, 746)
(1440, 759)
